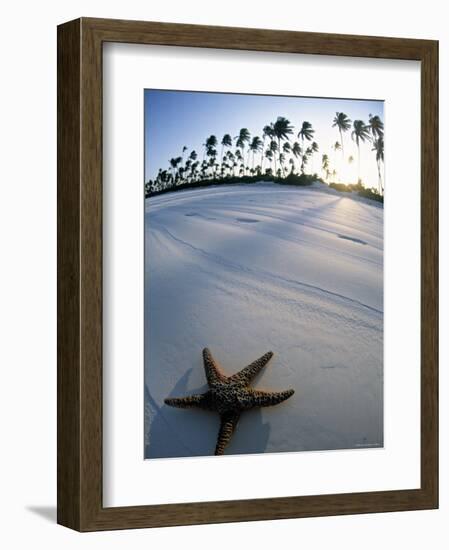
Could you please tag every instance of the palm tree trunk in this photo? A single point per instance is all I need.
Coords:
(221, 158)
(303, 153)
(262, 156)
(279, 150)
(358, 162)
(380, 177)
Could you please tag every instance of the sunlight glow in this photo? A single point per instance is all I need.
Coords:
(177, 122)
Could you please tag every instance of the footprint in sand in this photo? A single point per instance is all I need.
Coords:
(353, 239)
(246, 220)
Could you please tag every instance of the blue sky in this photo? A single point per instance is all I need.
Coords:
(174, 119)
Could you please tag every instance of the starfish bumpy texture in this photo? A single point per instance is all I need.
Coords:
(229, 396)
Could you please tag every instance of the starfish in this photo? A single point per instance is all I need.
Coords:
(229, 396)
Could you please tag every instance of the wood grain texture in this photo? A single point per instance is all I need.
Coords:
(429, 271)
(144, 32)
(68, 316)
(80, 274)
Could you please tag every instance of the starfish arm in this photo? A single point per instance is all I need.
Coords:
(199, 400)
(249, 372)
(268, 398)
(213, 373)
(228, 424)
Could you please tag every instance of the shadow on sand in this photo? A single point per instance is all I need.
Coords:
(172, 432)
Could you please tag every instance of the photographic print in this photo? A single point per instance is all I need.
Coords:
(263, 313)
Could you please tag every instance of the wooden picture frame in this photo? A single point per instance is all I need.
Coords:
(80, 504)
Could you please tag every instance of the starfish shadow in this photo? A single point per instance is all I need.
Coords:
(171, 433)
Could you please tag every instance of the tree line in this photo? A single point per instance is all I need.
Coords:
(275, 154)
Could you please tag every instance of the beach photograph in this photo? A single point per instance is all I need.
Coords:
(263, 313)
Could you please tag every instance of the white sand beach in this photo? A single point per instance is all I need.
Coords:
(243, 269)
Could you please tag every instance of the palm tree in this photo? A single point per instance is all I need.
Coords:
(187, 167)
(163, 177)
(281, 130)
(360, 133)
(292, 164)
(193, 156)
(184, 149)
(350, 160)
(379, 148)
(269, 156)
(376, 126)
(309, 154)
(343, 123)
(336, 147)
(325, 163)
(281, 162)
(212, 166)
(181, 171)
(306, 133)
(158, 177)
(255, 146)
(315, 149)
(286, 148)
(211, 141)
(225, 142)
(243, 137)
(305, 159)
(231, 158)
(273, 149)
(212, 154)
(174, 165)
(296, 150)
(238, 157)
(194, 170)
(266, 132)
